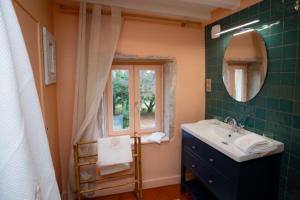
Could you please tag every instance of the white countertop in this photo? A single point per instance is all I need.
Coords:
(203, 131)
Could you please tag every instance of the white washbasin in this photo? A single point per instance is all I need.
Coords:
(220, 136)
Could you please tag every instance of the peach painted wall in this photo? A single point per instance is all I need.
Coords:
(220, 13)
(32, 16)
(161, 163)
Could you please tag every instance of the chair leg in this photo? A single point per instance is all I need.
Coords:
(136, 168)
(76, 171)
(140, 170)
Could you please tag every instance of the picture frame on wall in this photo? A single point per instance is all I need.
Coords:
(49, 57)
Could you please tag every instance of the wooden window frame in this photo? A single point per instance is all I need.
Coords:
(134, 102)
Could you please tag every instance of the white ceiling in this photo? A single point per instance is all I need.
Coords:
(194, 10)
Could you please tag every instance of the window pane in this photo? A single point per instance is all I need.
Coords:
(147, 98)
(120, 93)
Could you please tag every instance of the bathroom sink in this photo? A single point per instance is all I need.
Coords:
(221, 136)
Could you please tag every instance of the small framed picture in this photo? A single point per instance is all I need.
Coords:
(49, 57)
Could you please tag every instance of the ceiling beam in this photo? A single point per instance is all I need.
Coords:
(227, 4)
(159, 8)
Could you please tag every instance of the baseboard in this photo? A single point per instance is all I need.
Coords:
(150, 183)
(159, 182)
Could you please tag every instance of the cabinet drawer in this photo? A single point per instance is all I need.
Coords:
(211, 156)
(212, 179)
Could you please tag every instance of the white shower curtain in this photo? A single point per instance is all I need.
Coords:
(26, 170)
(94, 60)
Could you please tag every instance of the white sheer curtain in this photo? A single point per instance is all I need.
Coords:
(94, 60)
(26, 170)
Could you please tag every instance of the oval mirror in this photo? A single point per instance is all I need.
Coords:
(245, 65)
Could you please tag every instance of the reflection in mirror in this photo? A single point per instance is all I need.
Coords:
(245, 65)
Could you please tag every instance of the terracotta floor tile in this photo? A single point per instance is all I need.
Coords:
(171, 192)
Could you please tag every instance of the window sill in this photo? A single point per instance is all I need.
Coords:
(145, 141)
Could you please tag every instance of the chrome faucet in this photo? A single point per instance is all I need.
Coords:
(232, 122)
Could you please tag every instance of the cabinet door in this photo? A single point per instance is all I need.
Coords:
(221, 187)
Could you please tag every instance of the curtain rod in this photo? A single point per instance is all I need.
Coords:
(133, 16)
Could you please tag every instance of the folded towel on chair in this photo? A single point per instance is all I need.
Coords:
(114, 168)
(114, 154)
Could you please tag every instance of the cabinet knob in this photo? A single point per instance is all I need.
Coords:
(193, 166)
(210, 181)
(193, 147)
(211, 160)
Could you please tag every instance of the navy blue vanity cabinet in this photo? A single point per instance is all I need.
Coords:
(220, 177)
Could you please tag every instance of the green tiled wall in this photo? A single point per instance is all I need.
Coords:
(275, 111)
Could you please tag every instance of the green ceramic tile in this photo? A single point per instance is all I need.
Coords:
(286, 91)
(276, 40)
(296, 122)
(265, 5)
(286, 105)
(297, 92)
(275, 111)
(296, 136)
(260, 113)
(290, 51)
(281, 132)
(295, 150)
(264, 32)
(296, 108)
(290, 37)
(273, 91)
(290, 22)
(265, 17)
(260, 124)
(235, 18)
(273, 78)
(295, 162)
(276, 9)
(278, 28)
(253, 10)
(243, 14)
(260, 101)
(273, 103)
(249, 110)
(275, 53)
(267, 41)
(288, 78)
(297, 75)
(298, 64)
(289, 65)
(250, 122)
(275, 65)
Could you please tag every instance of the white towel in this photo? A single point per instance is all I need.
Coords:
(114, 168)
(156, 137)
(26, 168)
(114, 154)
(253, 143)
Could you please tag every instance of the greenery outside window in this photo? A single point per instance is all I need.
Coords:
(134, 99)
